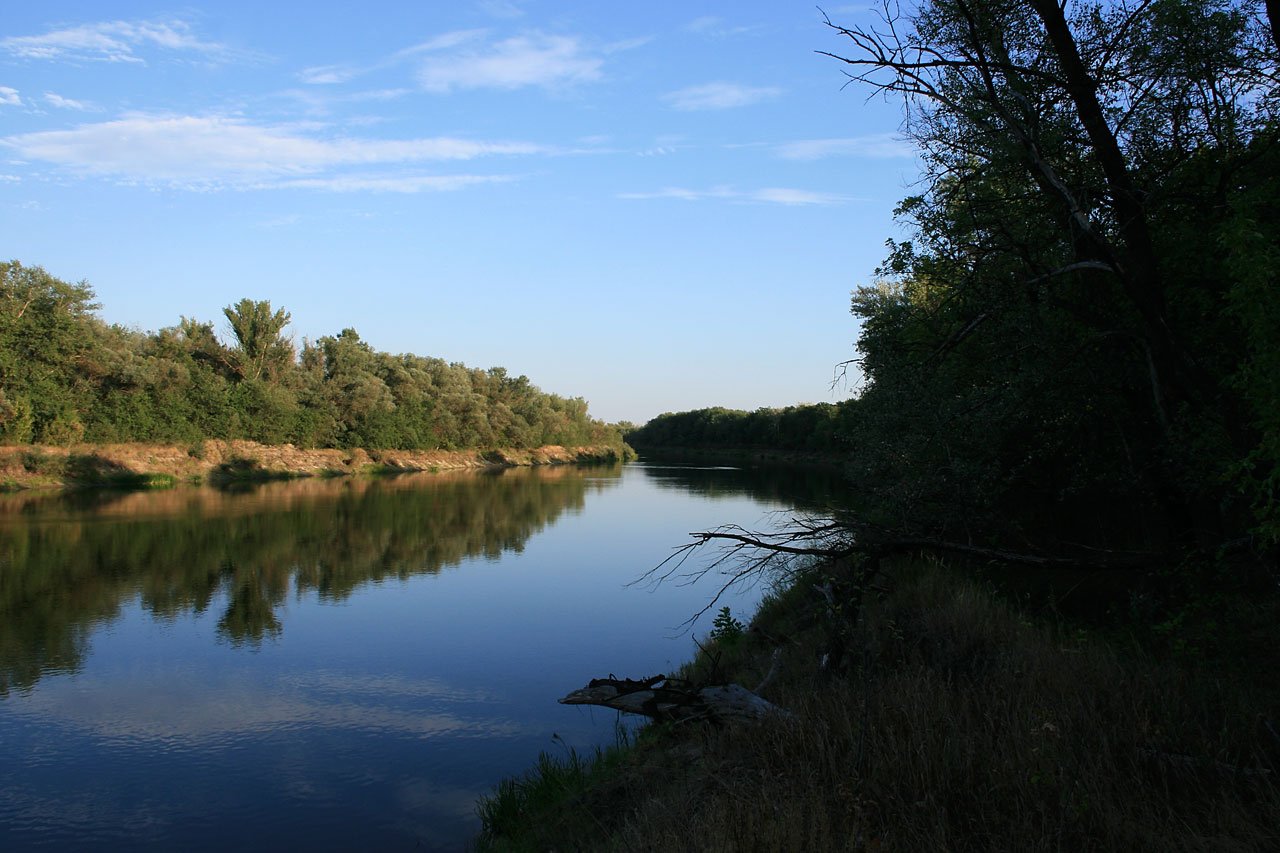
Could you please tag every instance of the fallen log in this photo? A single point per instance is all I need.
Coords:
(675, 700)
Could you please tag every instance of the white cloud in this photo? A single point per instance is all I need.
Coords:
(391, 184)
(321, 75)
(55, 100)
(211, 152)
(768, 195)
(783, 195)
(9, 97)
(501, 8)
(514, 63)
(878, 146)
(719, 96)
(110, 41)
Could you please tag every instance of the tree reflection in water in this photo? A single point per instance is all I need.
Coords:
(70, 561)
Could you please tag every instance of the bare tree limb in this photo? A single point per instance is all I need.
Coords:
(675, 700)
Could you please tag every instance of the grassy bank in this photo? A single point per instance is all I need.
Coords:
(160, 465)
(959, 722)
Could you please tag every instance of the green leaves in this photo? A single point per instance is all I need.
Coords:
(65, 376)
(257, 331)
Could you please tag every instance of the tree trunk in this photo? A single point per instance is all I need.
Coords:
(673, 700)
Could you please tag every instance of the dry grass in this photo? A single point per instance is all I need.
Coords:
(43, 466)
(960, 726)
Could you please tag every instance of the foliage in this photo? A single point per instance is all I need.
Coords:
(67, 377)
(1075, 351)
(806, 428)
(260, 346)
(725, 629)
(43, 341)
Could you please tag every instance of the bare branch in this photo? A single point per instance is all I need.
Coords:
(1078, 266)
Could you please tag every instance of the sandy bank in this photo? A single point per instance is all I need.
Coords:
(42, 466)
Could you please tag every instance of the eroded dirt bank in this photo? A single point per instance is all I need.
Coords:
(42, 466)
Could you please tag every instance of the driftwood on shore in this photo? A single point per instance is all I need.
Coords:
(675, 700)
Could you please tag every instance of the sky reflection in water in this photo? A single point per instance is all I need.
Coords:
(329, 664)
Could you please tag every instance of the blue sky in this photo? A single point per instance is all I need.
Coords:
(655, 206)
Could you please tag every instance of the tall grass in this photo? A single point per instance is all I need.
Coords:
(549, 803)
(961, 725)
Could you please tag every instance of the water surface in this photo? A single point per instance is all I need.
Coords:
(342, 664)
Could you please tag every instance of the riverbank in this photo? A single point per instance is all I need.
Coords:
(958, 721)
(151, 465)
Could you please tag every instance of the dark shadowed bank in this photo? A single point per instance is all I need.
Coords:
(959, 717)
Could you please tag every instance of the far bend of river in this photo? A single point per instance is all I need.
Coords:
(333, 664)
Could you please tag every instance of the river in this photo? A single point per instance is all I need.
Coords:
(334, 664)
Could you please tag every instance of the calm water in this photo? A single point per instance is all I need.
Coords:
(343, 664)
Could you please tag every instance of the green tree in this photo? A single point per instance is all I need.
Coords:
(261, 348)
(46, 328)
(1065, 286)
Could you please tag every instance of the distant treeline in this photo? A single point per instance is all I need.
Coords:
(67, 376)
(808, 428)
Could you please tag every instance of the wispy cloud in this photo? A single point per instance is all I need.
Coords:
(706, 23)
(9, 97)
(343, 72)
(323, 75)
(388, 184)
(53, 99)
(876, 146)
(719, 96)
(711, 25)
(767, 195)
(111, 41)
(546, 61)
(216, 151)
(501, 8)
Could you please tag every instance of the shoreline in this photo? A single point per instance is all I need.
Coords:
(142, 465)
(954, 700)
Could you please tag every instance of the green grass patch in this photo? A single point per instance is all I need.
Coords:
(131, 480)
(556, 800)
